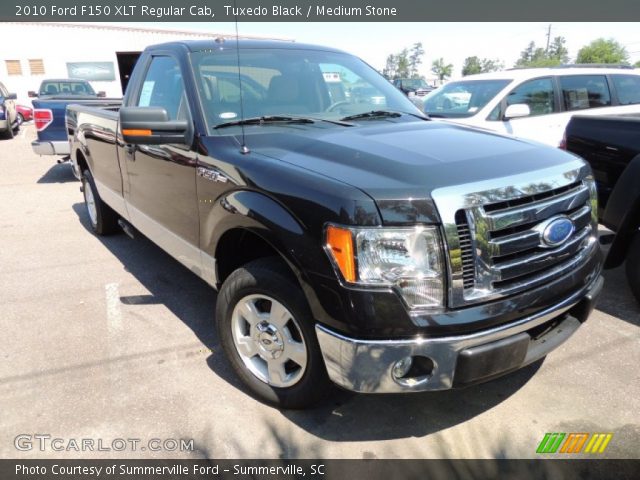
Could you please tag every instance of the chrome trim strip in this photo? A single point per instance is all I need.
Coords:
(514, 268)
(537, 211)
(366, 365)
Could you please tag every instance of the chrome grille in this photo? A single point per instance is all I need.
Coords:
(466, 247)
(494, 235)
(514, 250)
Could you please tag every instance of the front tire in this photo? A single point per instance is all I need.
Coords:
(268, 335)
(103, 220)
(20, 119)
(633, 266)
(8, 134)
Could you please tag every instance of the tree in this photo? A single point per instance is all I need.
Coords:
(403, 64)
(473, 65)
(391, 67)
(415, 59)
(441, 70)
(637, 64)
(533, 56)
(558, 50)
(603, 51)
(491, 65)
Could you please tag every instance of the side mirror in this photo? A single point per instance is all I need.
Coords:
(101, 94)
(151, 126)
(517, 110)
(12, 96)
(32, 94)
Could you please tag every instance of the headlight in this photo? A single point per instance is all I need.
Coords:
(407, 259)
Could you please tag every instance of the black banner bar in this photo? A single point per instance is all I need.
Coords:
(574, 469)
(317, 10)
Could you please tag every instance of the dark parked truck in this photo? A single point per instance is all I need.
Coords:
(50, 104)
(611, 144)
(351, 240)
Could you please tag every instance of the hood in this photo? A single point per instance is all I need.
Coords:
(395, 162)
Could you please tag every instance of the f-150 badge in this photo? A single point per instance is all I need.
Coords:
(212, 175)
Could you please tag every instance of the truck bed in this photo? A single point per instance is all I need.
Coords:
(98, 122)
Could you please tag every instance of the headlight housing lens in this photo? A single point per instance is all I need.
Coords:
(407, 259)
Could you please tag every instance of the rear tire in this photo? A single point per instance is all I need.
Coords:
(633, 266)
(103, 219)
(268, 335)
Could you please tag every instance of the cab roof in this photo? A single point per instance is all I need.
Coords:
(524, 73)
(230, 43)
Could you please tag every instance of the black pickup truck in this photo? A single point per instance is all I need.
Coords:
(611, 144)
(350, 239)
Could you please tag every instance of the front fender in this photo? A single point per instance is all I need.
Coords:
(265, 217)
(272, 222)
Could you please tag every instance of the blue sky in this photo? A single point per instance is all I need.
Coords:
(452, 41)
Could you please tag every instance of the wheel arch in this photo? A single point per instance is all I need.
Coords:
(246, 225)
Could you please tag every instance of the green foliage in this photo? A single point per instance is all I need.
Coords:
(533, 56)
(441, 69)
(473, 65)
(603, 51)
(558, 50)
(405, 63)
(637, 64)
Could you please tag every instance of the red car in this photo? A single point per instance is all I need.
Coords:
(25, 114)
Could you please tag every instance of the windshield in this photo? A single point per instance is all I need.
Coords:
(288, 82)
(414, 83)
(462, 99)
(66, 88)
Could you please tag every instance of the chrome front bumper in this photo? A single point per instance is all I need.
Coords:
(366, 365)
(50, 148)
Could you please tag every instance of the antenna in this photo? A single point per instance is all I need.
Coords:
(243, 148)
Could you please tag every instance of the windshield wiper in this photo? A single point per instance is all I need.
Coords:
(265, 120)
(373, 114)
(382, 114)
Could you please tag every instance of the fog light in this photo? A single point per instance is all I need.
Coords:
(402, 367)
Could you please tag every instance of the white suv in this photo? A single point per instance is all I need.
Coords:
(536, 103)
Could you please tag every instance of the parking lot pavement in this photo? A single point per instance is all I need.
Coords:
(109, 338)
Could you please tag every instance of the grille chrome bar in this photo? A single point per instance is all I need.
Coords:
(493, 249)
(536, 212)
(525, 264)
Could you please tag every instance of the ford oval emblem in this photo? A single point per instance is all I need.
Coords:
(555, 231)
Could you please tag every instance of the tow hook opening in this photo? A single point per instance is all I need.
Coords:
(412, 370)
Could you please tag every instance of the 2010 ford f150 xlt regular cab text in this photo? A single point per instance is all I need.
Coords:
(350, 237)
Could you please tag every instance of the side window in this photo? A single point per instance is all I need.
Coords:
(538, 94)
(585, 91)
(163, 87)
(3, 91)
(627, 88)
